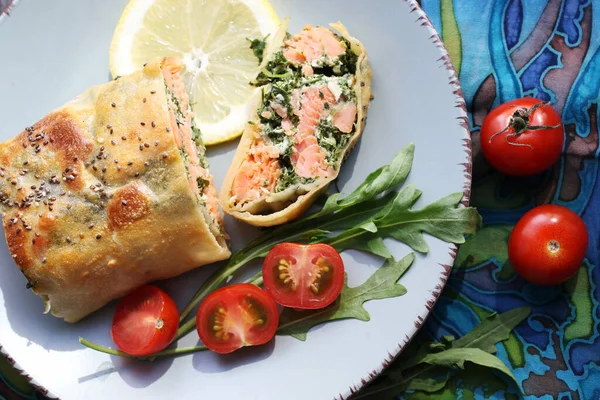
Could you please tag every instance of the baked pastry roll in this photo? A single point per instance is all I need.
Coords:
(109, 192)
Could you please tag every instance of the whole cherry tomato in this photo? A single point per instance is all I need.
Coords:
(145, 321)
(522, 137)
(548, 244)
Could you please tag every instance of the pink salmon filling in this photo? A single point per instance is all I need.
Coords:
(182, 133)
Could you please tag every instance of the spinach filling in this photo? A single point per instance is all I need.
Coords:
(333, 141)
(283, 77)
(279, 70)
(288, 176)
(179, 117)
(346, 62)
(271, 128)
(268, 117)
(196, 138)
(202, 183)
(30, 284)
(348, 93)
(200, 147)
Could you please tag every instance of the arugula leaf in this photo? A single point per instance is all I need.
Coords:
(381, 285)
(442, 219)
(456, 358)
(473, 377)
(430, 380)
(375, 246)
(494, 329)
(420, 362)
(385, 178)
(377, 182)
(353, 216)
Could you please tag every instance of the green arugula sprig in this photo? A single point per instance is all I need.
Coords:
(360, 220)
(381, 285)
(425, 367)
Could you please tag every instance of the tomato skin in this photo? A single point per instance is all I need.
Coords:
(520, 160)
(303, 276)
(145, 321)
(244, 314)
(529, 250)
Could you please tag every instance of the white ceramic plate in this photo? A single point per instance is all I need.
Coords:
(53, 50)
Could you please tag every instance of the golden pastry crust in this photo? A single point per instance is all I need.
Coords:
(96, 200)
(293, 210)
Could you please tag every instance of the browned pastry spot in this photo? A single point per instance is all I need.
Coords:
(65, 136)
(16, 238)
(128, 205)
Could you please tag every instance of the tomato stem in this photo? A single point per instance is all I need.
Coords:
(519, 122)
(165, 353)
(256, 279)
(103, 349)
(184, 329)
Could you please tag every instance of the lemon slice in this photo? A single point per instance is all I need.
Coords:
(211, 38)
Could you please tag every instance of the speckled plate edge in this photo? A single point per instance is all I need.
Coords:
(5, 8)
(463, 122)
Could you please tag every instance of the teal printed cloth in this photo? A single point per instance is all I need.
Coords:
(502, 50)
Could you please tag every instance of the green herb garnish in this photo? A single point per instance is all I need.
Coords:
(258, 47)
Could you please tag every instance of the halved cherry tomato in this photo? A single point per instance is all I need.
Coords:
(303, 276)
(236, 316)
(145, 321)
(522, 137)
(548, 244)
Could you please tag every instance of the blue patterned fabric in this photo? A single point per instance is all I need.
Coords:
(505, 49)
